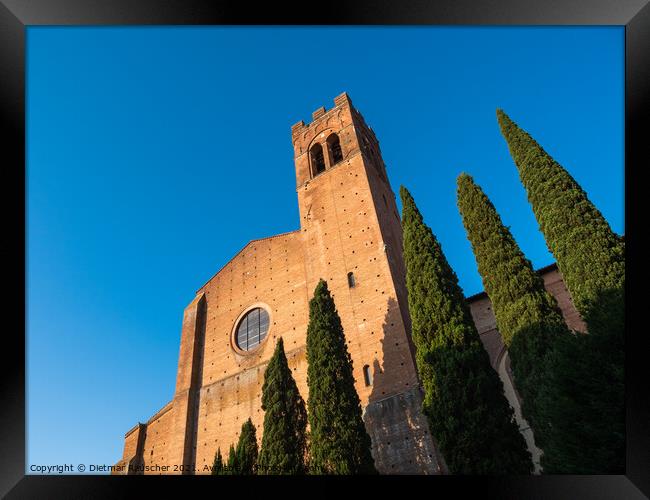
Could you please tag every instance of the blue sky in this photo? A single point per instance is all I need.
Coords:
(155, 154)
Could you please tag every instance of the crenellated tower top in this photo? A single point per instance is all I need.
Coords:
(332, 137)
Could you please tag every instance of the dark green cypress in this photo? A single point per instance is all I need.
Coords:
(232, 467)
(285, 419)
(468, 414)
(584, 401)
(591, 258)
(217, 466)
(527, 316)
(246, 451)
(339, 443)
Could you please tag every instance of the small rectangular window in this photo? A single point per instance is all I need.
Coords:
(351, 282)
(367, 376)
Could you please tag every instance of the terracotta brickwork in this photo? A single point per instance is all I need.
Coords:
(483, 315)
(350, 235)
(155, 449)
(486, 323)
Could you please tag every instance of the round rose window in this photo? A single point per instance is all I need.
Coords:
(252, 329)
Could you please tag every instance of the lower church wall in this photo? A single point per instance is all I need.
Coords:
(401, 442)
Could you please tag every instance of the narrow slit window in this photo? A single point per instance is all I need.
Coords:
(367, 375)
(351, 281)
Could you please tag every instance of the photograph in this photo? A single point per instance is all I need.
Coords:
(331, 250)
(369, 245)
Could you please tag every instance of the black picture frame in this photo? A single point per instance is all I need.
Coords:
(17, 15)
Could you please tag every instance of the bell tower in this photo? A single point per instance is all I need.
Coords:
(350, 235)
(352, 238)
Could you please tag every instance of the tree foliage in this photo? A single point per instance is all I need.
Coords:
(339, 443)
(590, 256)
(527, 316)
(246, 452)
(285, 419)
(468, 413)
(232, 466)
(590, 434)
(217, 466)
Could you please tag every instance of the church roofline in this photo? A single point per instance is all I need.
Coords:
(240, 251)
(484, 295)
(135, 427)
(160, 412)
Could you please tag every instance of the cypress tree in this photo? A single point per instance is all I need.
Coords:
(591, 258)
(246, 452)
(527, 316)
(217, 466)
(468, 413)
(232, 467)
(339, 443)
(285, 419)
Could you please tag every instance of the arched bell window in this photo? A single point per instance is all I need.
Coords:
(317, 159)
(334, 148)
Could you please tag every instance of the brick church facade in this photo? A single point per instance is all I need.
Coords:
(350, 235)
